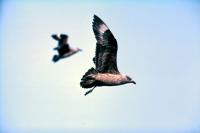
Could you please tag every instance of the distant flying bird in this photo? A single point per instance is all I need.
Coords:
(63, 48)
(106, 72)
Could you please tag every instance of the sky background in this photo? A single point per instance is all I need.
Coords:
(159, 47)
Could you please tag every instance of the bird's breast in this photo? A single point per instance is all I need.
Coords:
(109, 79)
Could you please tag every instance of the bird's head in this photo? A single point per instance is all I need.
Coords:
(129, 80)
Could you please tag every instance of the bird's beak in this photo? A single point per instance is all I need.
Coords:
(133, 82)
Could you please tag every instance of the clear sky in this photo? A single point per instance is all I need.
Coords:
(159, 47)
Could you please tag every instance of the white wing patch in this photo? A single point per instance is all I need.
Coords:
(103, 28)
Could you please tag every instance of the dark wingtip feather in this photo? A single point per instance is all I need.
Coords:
(55, 36)
(95, 16)
(97, 20)
(55, 58)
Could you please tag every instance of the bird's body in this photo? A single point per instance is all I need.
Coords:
(63, 48)
(106, 72)
(109, 79)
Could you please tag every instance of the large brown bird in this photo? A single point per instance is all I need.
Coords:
(63, 48)
(106, 72)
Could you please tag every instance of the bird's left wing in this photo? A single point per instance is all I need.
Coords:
(106, 47)
(55, 36)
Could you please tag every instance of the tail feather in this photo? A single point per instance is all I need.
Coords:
(87, 81)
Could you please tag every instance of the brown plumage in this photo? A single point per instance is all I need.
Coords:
(105, 72)
(63, 48)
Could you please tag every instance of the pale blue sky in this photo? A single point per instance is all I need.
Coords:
(159, 47)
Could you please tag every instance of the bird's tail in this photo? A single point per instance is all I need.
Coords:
(87, 80)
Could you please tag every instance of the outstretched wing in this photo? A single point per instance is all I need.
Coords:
(106, 47)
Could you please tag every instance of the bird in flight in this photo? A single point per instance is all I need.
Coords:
(105, 72)
(63, 48)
